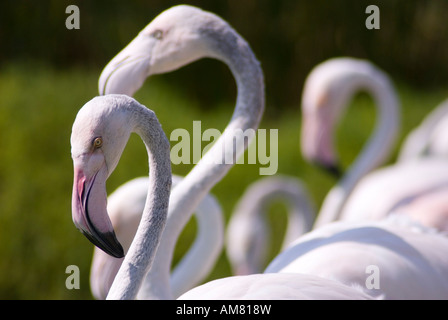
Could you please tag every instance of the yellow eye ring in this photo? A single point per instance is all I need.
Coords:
(98, 142)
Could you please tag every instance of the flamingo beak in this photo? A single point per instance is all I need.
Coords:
(123, 75)
(317, 144)
(89, 212)
(128, 70)
(334, 169)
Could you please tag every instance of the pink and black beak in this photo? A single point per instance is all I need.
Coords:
(89, 201)
(317, 143)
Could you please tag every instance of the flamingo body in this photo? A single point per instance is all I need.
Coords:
(409, 259)
(396, 188)
(275, 287)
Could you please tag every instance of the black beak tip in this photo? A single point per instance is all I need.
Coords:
(107, 242)
(334, 169)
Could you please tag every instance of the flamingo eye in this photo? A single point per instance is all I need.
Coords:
(97, 142)
(158, 34)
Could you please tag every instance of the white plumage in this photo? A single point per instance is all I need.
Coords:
(409, 259)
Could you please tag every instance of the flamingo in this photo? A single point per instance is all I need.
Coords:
(360, 194)
(178, 36)
(96, 149)
(326, 93)
(99, 135)
(127, 72)
(246, 236)
(409, 259)
(125, 206)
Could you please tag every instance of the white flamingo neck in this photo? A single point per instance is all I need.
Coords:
(376, 150)
(247, 231)
(141, 253)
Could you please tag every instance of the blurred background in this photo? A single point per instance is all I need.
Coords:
(48, 72)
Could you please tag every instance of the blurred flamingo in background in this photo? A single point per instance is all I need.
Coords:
(360, 193)
(247, 230)
(327, 91)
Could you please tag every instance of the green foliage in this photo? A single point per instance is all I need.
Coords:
(38, 106)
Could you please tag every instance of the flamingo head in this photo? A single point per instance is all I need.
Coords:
(176, 37)
(99, 135)
(326, 95)
(317, 140)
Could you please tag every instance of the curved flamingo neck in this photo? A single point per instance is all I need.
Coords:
(270, 189)
(247, 229)
(376, 151)
(141, 253)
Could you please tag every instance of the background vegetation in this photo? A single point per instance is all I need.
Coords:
(48, 72)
